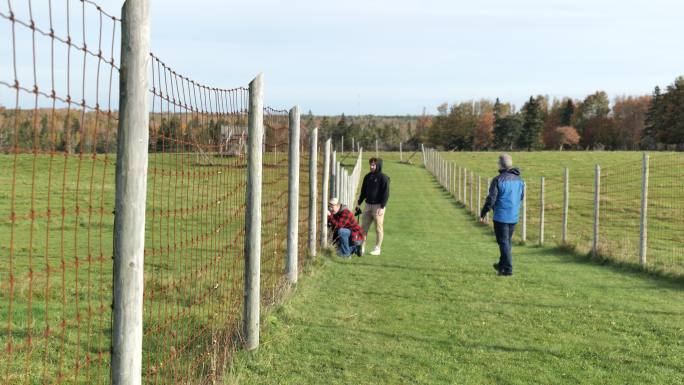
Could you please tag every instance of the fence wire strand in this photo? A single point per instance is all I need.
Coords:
(194, 228)
(56, 225)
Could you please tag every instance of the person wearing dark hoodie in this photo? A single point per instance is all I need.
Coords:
(506, 192)
(375, 191)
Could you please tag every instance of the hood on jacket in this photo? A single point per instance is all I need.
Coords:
(513, 170)
(378, 166)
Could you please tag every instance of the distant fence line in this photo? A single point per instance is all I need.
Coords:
(629, 213)
(199, 187)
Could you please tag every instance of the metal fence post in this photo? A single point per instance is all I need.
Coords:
(313, 187)
(342, 147)
(401, 153)
(643, 233)
(376, 149)
(541, 212)
(325, 193)
(253, 214)
(566, 203)
(597, 196)
(422, 150)
(131, 192)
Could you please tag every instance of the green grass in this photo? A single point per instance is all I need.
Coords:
(430, 310)
(62, 267)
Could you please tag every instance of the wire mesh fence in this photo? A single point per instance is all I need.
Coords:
(621, 188)
(58, 143)
(57, 135)
(194, 228)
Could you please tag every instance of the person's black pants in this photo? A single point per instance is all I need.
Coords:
(504, 236)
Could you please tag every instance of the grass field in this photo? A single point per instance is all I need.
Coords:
(430, 310)
(620, 204)
(55, 289)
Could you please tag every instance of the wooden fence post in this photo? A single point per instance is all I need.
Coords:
(291, 262)
(643, 233)
(313, 187)
(523, 231)
(325, 193)
(566, 203)
(131, 192)
(541, 212)
(253, 214)
(597, 198)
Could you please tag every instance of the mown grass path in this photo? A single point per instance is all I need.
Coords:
(430, 310)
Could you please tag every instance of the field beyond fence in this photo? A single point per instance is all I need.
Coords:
(621, 186)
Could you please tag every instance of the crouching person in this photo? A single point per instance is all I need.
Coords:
(346, 232)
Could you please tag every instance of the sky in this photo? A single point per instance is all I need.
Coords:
(397, 57)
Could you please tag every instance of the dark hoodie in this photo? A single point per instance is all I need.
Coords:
(375, 187)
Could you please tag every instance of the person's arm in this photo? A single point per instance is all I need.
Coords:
(385, 192)
(491, 197)
(362, 195)
(333, 221)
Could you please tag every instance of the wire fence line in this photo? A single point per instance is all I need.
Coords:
(633, 216)
(65, 146)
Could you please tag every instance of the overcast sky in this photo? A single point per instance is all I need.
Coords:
(396, 57)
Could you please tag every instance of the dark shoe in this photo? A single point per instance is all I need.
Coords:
(359, 251)
(505, 274)
(496, 267)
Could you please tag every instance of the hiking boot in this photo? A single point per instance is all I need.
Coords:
(376, 251)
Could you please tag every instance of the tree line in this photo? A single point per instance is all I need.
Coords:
(649, 122)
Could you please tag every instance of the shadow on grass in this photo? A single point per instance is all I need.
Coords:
(431, 343)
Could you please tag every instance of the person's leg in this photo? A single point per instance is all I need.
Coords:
(507, 267)
(500, 230)
(366, 221)
(379, 221)
(344, 248)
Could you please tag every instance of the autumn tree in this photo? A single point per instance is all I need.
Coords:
(629, 114)
(566, 136)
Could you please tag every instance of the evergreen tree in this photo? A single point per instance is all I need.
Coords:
(500, 129)
(568, 111)
(654, 118)
(533, 124)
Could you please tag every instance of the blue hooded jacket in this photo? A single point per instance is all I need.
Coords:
(505, 194)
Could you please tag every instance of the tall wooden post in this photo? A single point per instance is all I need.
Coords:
(643, 228)
(291, 262)
(131, 192)
(313, 189)
(597, 198)
(566, 203)
(541, 212)
(325, 193)
(253, 214)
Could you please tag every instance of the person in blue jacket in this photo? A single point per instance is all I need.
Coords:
(505, 194)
